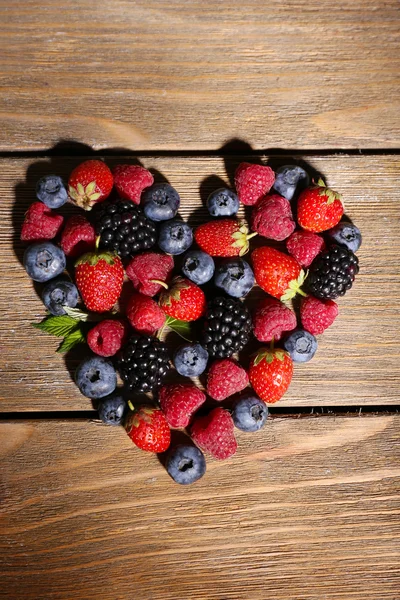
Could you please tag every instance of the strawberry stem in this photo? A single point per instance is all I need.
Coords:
(300, 291)
(164, 285)
(97, 244)
(251, 235)
(131, 405)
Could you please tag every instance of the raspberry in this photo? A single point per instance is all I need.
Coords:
(271, 318)
(225, 377)
(304, 246)
(146, 269)
(144, 314)
(40, 223)
(253, 182)
(179, 402)
(78, 236)
(317, 315)
(131, 180)
(107, 337)
(215, 434)
(272, 218)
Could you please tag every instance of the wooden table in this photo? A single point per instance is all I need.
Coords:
(308, 508)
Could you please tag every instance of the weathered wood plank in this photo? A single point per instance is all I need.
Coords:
(191, 75)
(307, 509)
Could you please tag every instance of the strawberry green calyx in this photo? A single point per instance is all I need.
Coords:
(92, 258)
(330, 194)
(242, 238)
(295, 287)
(173, 292)
(269, 354)
(85, 197)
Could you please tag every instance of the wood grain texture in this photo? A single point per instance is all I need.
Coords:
(151, 75)
(358, 358)
(307, 509)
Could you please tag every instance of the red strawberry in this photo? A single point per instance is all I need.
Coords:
(319, 208)
(148, 429)
(99, 277)
(253, 182)
(90, 182)
(226, 237)
(179, 401)
(215, 434)
(40, 223)
(183, 300)
(131, 180)
(270, 373)
(276, 273)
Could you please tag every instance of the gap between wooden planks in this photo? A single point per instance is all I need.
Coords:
(358, 360)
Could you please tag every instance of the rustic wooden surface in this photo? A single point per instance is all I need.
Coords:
(163, 74)
(307, 510)
(358, 358)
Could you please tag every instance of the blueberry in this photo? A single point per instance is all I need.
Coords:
(235, 277)
(222, 203)
(112, 409)
(250, 413)
(190, 360)
(186, 464)
(44, 261)
(59, 293)
(175, 237)
(301, 345)
(198, 266)
(51, 191)
(96, 377)
(160, 202)
(347, 235)
(289, 179)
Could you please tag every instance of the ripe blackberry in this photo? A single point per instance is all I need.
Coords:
(332, 273)
(123, 227)
(143, 363)
(227, 327)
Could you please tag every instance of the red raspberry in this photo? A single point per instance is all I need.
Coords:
(40, 223)
(271, 318)
(148, 267)
(304, 246)
(225, 377)
(317, 315)
(107, 337)
(131, 180)
(272, 218)
(215, 434)
(144, 314)
(179, 402)
(78, 236)
(253, 182)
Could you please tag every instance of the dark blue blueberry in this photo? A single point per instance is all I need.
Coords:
(96, 377)
(301, 345)
(235, 277)
(190, 360)
(186, 464)
(175, 237)
(112, 409)
(346, 234)
(223, 203)
(289, 179)
(44, 261)
(51, 191)
(250, 413)
(59, 293)
(198, 266)
(160, 202)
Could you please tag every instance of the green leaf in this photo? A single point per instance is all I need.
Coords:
(72, 339)
(58, 326)
(80, 315)
(182, 328)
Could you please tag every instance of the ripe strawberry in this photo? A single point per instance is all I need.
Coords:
(319, 208)
(183, 300)
(215, 434)
(276, 273)
(226, 237)
(270, 373)
(99, 277)
(90, 182)
(148, 429)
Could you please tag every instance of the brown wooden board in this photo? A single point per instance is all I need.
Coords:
(307, 509)
(168, 74)
(358, 358)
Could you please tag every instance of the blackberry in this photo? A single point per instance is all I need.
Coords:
(124, 228)
(143, 363)
(227, 327)
(332, 273)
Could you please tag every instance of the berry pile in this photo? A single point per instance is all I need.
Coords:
(84, 260)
